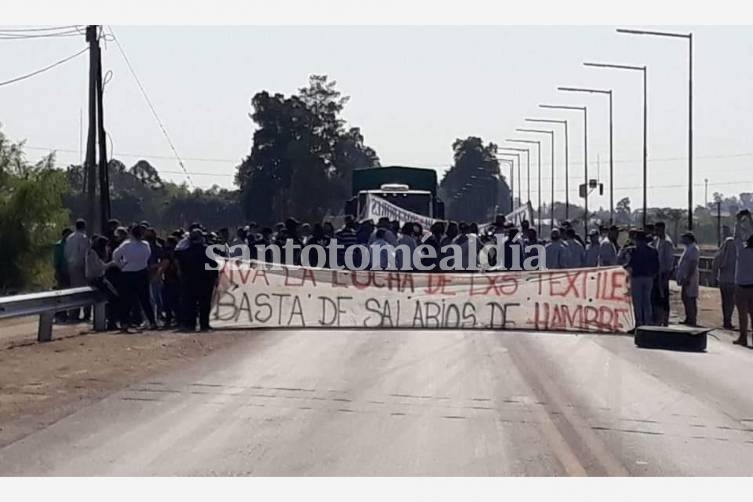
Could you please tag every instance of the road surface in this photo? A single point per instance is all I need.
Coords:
(416, 403)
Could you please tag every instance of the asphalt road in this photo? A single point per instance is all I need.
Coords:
(416, 403)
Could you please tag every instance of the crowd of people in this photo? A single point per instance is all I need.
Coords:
(149, 281)
(168, 281)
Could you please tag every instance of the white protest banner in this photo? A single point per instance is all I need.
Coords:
(377, 207)
(581, 300)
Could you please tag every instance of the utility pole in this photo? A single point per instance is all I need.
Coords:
(718, 223)
(98, 211)
(104, 178)
(90, 168)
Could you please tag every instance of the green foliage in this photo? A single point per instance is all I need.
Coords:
(138, 193)
(302, 157)
(31, 217)
(473, 188)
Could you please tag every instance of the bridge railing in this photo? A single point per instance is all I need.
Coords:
(46, 303)
(705, 276)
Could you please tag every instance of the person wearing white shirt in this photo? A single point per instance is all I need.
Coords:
(687, 278)
(76, 247)
(132, 256)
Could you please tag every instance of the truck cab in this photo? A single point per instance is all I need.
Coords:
(409, 188)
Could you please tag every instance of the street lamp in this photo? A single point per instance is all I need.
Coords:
(538, 156)
(645, 123)
(689, 38)
(583, 109)
(551, 138)
(567, 161)
(512, 166)
(512, 187)
(607, 92)
(528, 174)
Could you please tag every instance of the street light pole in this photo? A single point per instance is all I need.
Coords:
(567, 162)
(583, 109)
(512, 188)
(538, 156)
(645, 124)
(551, 138)
(607, 92)
(689, 38)
(528, 174)
(512, 182)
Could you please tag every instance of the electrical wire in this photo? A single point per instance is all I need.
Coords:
(151, 107)
(41, 70)
(19, 36)
(142, 155)
(37, 29)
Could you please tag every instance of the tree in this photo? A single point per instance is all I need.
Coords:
(473, 187)
(138, 193)
(31, 217)
(302, 157)
(622, 212)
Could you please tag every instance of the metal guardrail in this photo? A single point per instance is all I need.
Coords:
(46, 303)
(704, 269)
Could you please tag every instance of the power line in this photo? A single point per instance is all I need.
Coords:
(37, 29)
(236, 162)
(53, 65)
(139, 155)
(151, 106)
(11, 35)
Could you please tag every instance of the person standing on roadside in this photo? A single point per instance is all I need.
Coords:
(643, 267)
(61, 269)
(97, 265)
(155, 278)
(723, 273)
(555, 252)
(687, 278)
(591, 256)
(608, 248)
(76, 247)
(133, 259)
(198, 276)
(574, 251)
(744, 274)
(435, 241)
(660, 293)
(168, 270)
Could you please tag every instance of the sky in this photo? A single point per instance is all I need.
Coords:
(413, 91)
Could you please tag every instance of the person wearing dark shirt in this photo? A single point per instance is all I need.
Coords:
(62, 280)
(643, 265)
(168, 270)
(196, 282)
(435, 241)
(155, 281)
(346, 237)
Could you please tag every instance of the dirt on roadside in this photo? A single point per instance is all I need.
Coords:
(43, 382)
